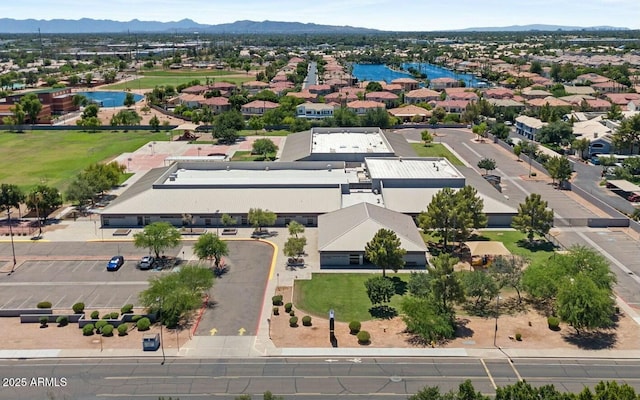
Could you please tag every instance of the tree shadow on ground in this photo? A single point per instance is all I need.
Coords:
(479, 309)
(462, 329)
(399, 285)
(597, 340)
(383, 312)
(536, 245)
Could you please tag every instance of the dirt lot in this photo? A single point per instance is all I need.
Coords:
(475, 332)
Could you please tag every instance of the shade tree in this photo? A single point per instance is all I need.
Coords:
(385, 251)
(209, 246)
(157, 237)
(534, 217)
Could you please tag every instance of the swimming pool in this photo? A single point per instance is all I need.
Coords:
(109, 99)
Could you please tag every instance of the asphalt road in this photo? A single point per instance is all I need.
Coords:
(300, 378)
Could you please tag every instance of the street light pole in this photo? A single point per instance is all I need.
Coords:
(495, 332)
(13, 249)
(159, 300)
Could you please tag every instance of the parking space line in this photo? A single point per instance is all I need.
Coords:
(51, 263)
(77, 266)
(59, 301)
(21, 304)
(8, 302)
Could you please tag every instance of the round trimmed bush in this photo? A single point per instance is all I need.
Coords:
(106, 316)
(136, 318)
(519, 337)
(288, 307)
(95, 314)
(276, 310)
(554, 323)
(107, 330)
(277, 300)
(44, 304)
(87, 330)
(306, 320)
(293, 322)
(143, 324)
(127, 309)
(62, 320)
(292, 313)
(78, 308)
(101, 324)
(114, 315)
(122, 329)
(363, 337)
(354, 327)
(43, 321)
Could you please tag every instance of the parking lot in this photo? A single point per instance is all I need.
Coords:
(67, 282)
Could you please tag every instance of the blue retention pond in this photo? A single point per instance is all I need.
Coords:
(109, 99)
(381, 72)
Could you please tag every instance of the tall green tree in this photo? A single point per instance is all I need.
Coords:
(295, 228)
(294, 246)
(129, 100)
(176, 295)
(480, 285)
(423, 317)
(264, 146)
(259, 218)
(445, 285)
(581, 145)
(10, 196)
(559, 169)
(559, 133)
(426, 137)
(157, 237)
(583, 305)
(385, 251)
(628, 134)
(31, 106)
(210, 247)
(507, 272)
(500, 130)
(488, 164)
(534, 217)
(379, 289)
(154, 122)
(43, 199)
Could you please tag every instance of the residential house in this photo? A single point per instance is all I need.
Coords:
(361, 107)
(389, 99)
(579, 90)
(590, 78)
(443, 83)
(529, 93)
(609, 87)
(304, 95)
(280, 87)
(422, 95)
(254, 87)
(461, 95)
(314, 110)
(409, 113)
(498, 93)
(320, 90)
(505, 103)
(528, 126)
(623, 99)
(408, 84)
(190, 100)
(451, 106)
(392, 87)
(217, 105)
(551, 101)
(257, 107)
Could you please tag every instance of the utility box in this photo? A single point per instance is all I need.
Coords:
(151, 342)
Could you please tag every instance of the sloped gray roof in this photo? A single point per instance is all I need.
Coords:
(297, 146)
(349, 229)
(399, 145)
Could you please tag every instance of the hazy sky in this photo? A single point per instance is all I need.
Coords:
(398, 15)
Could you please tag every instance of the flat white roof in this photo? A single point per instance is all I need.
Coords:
(349, 142)
(411, 168)
(416, 200)
(244, 177)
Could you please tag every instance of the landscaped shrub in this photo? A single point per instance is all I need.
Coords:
(143, 324)
(87, 330)
(277, 300)
(306, 320)
(107, 330)
(122, 329)
(554, 323)
(293, 322)
(114, 315)
(292, 313)
(519, 337)
(62, 320)
(44, 304)
(136, 318)
(288, 307)
(101, 324)
(95, 314)
(106, 316)
(127, 309)
(78, 308)
(43, 321)
(354, 327)
(276, 310)
(363, 337)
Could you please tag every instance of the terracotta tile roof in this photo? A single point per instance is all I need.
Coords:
(423, 93)
(381, 95)
(261, 104)
(552, 101)
(215, 101)
(365, 104)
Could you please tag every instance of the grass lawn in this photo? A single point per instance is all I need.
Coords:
(56, 157)
(150, 82)
(514, 240)
(247, 156)
(251, 132)
(436, 150)
(344, 293)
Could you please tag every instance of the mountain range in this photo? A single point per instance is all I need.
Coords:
(541, 27)
(88, 25)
